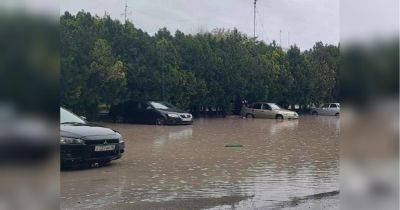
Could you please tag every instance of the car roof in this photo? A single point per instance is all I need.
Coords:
(263, 102)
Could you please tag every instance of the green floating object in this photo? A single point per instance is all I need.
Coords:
(233, 145)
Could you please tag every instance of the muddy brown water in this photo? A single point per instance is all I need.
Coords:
(189, 167)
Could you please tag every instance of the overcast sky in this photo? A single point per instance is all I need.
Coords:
(301, 22)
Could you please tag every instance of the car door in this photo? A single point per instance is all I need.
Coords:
(267, 111)
(324, 110)
(150, 113)
(137, 112)
(146, 112)
(132, 113)
(257, 111)
(333, 109)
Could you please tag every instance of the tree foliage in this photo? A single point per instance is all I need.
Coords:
(105, 62)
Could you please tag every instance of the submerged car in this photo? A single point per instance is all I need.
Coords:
(82, 142)
(332, 109)
(268, 110)
(150, 112)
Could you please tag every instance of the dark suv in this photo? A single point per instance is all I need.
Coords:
(150, 112)
(84, 143)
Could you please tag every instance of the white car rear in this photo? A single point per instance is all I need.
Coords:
(332, 109)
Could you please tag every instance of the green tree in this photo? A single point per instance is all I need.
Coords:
(107, 75)
(106, 62)
(299, 71)
(323, 61)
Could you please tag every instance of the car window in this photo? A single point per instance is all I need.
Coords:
(158, 105)
(131, 106)
(169, 105)
(274, 106)
(68, 117)
(257, 106)
(266, 107)
(333, 106)
(139, 106)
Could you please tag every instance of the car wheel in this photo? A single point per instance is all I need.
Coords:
(279, 117)
(249, 116)
(160, 121)
(337, 114)
(314, 113)
(94, 165)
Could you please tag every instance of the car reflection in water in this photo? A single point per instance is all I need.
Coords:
(173, 166)
(330, 123)
(283, 126)
(172, 135)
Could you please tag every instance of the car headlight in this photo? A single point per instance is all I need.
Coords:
(68, 140)
(120, 140)
(173, 115)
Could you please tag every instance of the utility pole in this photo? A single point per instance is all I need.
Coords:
(126, 10)
(280, 38)
(254, 18)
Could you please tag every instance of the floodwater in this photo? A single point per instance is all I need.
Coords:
(282, 164)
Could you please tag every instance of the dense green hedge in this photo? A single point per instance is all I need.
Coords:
(105, 62)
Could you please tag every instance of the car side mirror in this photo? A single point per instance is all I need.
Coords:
(83, 117)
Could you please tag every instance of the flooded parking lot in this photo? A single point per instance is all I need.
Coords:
(282, 164)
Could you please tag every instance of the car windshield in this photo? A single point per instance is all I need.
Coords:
(274, 106)
(69, 117)
(161, 105)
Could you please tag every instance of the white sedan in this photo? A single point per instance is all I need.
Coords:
(332, 109)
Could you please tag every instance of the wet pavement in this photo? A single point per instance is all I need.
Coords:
(282, 164)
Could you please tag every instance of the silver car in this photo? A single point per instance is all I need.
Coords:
(267, 110)
(332, 109)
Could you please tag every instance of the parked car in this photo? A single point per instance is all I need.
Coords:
(268, 110)
(150, 112)
(332, 109)
(82, 142)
